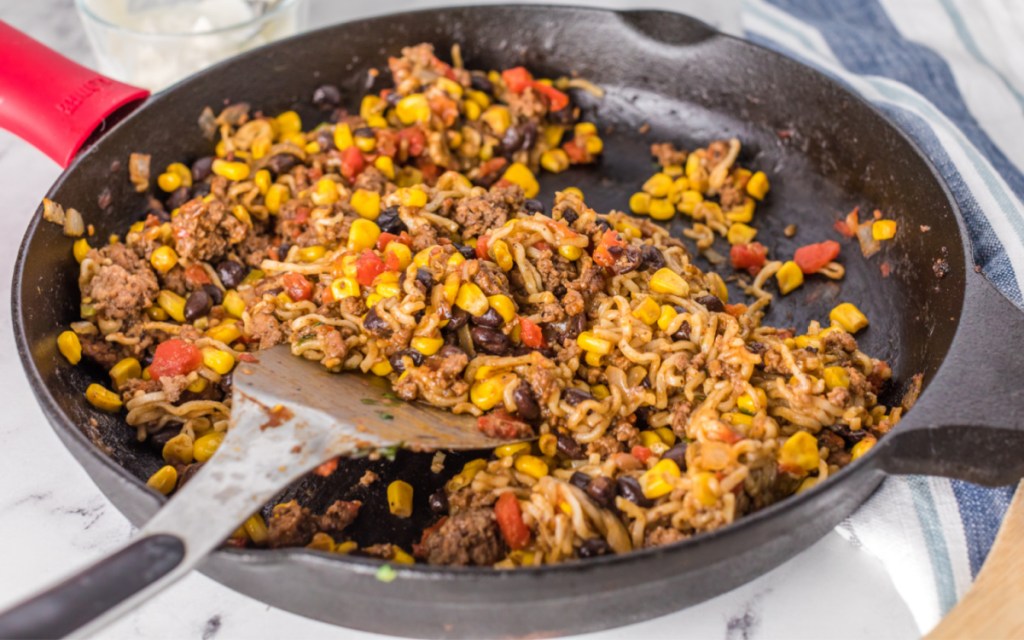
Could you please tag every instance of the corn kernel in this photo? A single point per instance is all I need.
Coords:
(206, 445)
(658, 185)
(481, 99)
(519, 174)
(366, 203)
(789, 277)
(326, 192)
(661, 209)
(236, 171)
(125, 370)
(592, 359)
(512, 449)
(647, 311)
(570, 252)
(102, 398)
(750, 405)
(276, 195)
(242, 215)
(451, 287)
(262, 180)
(883, 229)
(800, 451)
(737, 418)
(343, 136)
(554, 160)
(362, 234)
(594, 145)
(640, 203)
(164, 480)
(413, 108)
(488, 393)
(400, 556)
(600, 391)
(531, 466)
(592, 344)
(288, 123)
(163, 258)
(836, 377)
(198, 385)
(70, 346)
(651, 440)
(182, 172)
(849, 317)
(233, 303)
(504, 305)
(576, 191)
(256, 528)
(220, 361)
(168, 181)
(758, 185)
(412, 197)
(80, 249)
(740, 233)
(373, 299)
(426, 346)
(704, 488)
(667, 435)
(260, 147)
(172, 303)
(688, 201)
(313, 253)
(659, 480)
(366, 143)
(666, 314)
(386, 166)
(807, 485)
(471, 299)
(502, 255)
(669, 282)
(497, 117)
(863, 446)
(400, 498)
(743, 213)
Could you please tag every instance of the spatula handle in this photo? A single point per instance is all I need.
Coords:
(82, 598)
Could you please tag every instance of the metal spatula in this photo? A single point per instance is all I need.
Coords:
(288, 415)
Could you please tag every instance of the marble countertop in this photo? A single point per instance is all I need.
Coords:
(55, 520)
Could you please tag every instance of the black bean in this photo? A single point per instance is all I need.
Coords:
(711, 303)
(534, 205)
(438, 502)
(490, 340)
(526, 403)
(448, 351)
(480, 82)
(389, 222)
(594, 547)
(282, 163)
(631, 260)
(424, 277)
(325, 139)
(562, 116)
(159, 214)
(848, 434)
(512, 141)
(643, 416)
(677, 454)
(283, 249)
(227, 383)
(569, 448)
(489, 318)
(231, 273)
(574, 396)
(602, 491)
(559, 290)
(393, 98)
(757, 347)
(570, 215)
(216, 295)
(397, 359)
(576, 325)
(629, 488)
(683, 333)
(201, 189)
(178, 197)
(363, 132)
(327, 96)
(188, 473)
(529, 135)
(202, 168)
(468, 252)
(197, 305)
(579, 480)
(160, 438)
(651, 258)
(376, 325)
(604, 224)
(458, 319)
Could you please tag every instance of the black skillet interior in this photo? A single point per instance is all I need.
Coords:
(824, 150)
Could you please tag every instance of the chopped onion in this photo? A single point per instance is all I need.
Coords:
(74, 226)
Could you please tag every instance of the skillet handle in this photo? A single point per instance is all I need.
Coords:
(82, 598)
(969, 422)
(52, 103)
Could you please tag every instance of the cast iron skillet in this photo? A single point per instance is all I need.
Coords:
(825, 151)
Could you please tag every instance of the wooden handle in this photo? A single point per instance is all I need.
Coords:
(994, 607)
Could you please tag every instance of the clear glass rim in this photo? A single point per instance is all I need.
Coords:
(91, 15)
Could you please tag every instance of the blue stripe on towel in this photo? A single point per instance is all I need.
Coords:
(982, 510)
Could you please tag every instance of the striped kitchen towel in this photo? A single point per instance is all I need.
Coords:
(951, 74)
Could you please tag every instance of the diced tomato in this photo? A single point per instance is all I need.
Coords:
(530, 333)
(391, 262)
(812, 258)
(499, 424)
(175, 357)
(494, 165)
(415, 140)
(368, 267)
(748, 256)
(577, 153)
(641, 453)
(556, 99)
(603, 254)
(429, 170)
(297, 286)
(735, 310)
(542, 245)
(848, 227)
(245, 357)
(481, 247)
(384, 239)
(517, 79)
(445, 108)
(352, 162)
(196, 276)
(510, 521)
(327, 468)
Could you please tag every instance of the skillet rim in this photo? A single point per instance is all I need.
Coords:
(66, 428)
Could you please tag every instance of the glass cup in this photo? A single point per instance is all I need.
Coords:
(155, 43)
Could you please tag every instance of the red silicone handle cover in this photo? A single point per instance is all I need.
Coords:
(51, 102)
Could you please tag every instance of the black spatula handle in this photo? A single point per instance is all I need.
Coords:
(82, 598)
